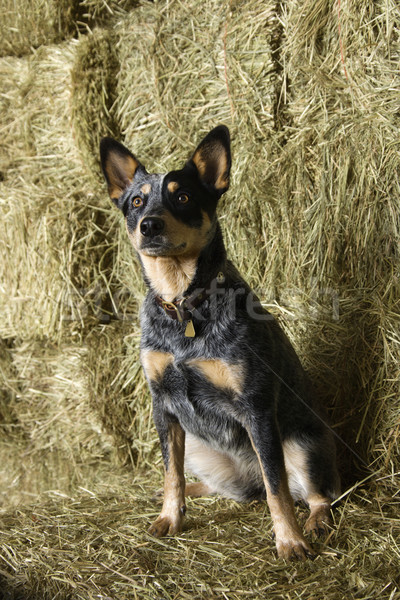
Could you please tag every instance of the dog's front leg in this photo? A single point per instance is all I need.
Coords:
(266, 442)
(172, 438)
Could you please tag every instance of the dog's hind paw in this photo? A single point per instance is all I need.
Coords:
(319, 521)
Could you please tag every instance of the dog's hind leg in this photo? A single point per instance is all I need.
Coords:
(197, 490)
(289, 539)
(308, 481)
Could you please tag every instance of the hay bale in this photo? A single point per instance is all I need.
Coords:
(117, 391)
(105, 12)
(30, 192)
(52, 438)
(339, 190)
(59, 271)
(59, 277)
(25, 26)
(57, 238)
(184, 69)
(28, 25)
(13, 73)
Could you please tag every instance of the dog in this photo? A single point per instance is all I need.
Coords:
(231, 401)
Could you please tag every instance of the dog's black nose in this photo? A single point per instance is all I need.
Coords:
(151, 226)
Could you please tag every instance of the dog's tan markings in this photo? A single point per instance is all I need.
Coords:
(220, 373)
(169, 276)
(290, 541)
(145, 189)
(134, 236)
(197, 490)
(216, 469)
(302, 487)
(319, 521)
(155, 363)
(172, 186)
(192, 490)
(297, 470)
(173, 510)
(194, 238)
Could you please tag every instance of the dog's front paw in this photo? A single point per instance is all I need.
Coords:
(294, 548)
(166, 525)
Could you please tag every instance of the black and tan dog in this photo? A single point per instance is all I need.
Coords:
(231, 401)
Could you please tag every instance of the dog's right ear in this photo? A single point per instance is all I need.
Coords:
(119, 167)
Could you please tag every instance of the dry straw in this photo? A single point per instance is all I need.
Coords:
(310, 92)
(26, 26)
(94, 545)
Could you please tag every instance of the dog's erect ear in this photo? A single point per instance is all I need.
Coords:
(212, 159)
(119, 166)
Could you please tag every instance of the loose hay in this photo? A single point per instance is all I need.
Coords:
(310, 93)
(93, 545)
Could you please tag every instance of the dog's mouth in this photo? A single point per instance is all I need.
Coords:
(159, 246)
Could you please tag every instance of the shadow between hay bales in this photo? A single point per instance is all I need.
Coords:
(11, 591)
(344, 362)
(94, 79)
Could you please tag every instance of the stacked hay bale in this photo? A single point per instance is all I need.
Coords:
(308, 90)
(29, 25)
(339, 182)
(57, 243)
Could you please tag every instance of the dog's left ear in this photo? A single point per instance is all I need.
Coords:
(212, 159)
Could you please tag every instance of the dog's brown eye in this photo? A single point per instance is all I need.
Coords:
(137, 202)
(183, 198)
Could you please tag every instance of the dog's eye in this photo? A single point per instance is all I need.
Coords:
(137, 202)
(183, 198)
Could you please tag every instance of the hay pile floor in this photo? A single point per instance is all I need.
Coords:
(94, 545)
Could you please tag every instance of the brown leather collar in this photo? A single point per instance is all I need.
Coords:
(182, 310)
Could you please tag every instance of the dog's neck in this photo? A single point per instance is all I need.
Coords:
(173, 277)
(169, 276)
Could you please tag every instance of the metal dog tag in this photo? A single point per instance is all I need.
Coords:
(189, 331)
